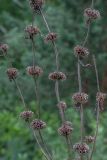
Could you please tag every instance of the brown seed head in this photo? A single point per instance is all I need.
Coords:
(12, 73)
(38, 124)
(57, 76)
(26, 115)
(34, 71)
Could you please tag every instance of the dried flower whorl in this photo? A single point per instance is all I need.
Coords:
(81, 148)
(81, 52)
(57, 76)
(89, 139)
(100, 99)
(80, 98)
(38, 124)
(36, 5)
(12, 73)
(4, 48)
(51, 37)
(62, 105)
(34, 71)
(31, 31)
(91, 14)
(66, 129)
(26, 115)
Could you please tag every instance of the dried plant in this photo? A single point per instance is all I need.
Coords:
(34, 120)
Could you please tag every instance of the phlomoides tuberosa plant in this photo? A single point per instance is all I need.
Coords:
(81, 52)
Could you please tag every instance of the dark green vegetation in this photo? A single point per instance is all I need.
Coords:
(66, 19)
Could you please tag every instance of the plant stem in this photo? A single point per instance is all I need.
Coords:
(20, 93)
(98, 109)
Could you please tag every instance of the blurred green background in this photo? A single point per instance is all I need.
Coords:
(66, 19)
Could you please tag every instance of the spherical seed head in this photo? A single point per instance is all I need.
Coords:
(66, 129)
(81, 52)
(4, 48)
(100, 99)
(57, 76)
(62, 105)
(26, 115)
(12, 73)
(89, 139)
(91, 14)
(80, 98)
(51, 37)
(38, 124)
(31, 31)
(36, 5)
(34, 71)
(81, 148)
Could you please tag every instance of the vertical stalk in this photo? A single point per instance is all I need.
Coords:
(98, 108)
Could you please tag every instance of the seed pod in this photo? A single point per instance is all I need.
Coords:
(62, 105)
(51, 37)
(12, 73)
(81, 148)
(34, 71)
(91, 14)
(89, 139)
(26, 115)
(57, 76)
(31, 31)
(81, 52)
(36, 5)
(66, 129)
(100, 99)
(38, 124)
(4, 48)
(80, 98)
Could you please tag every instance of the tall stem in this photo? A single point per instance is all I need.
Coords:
(20, 93)
(98, 109)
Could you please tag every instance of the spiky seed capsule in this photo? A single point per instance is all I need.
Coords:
(57, 76)
(62, 105)
(51, 37)
(89, 139)
(4, 48)
(26, 115)
(66, 129)
(80, 98)
(34, 71)
(38, 124)
(81, 148)
(91, 14)
(100, 99)
(81, 52)
(12, 73)
(36, 5)
(31, 31)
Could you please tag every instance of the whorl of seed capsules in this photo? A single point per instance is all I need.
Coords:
(57, 76)
(66, 129)
(51, 37)
(100, 99)
(4, 48)
(31, 31)
(62, 105)
(91, 14)
(81, 52)
(80, 98)
(12, 73)
(89, 139)
(34, 71)
(26, 115)
(81, 148)
(36, 5)
(38, 124)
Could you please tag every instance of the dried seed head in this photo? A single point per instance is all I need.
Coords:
(12, 73)
(62, 105)
(36, 5)
(100, 99)
(51, 37)
(31, 31)
(66, 129)
(81, 52)
(80, 98)
(57, 76)
(26, 115)
(81, 148)
(38, 124)
(89, 139)
(34, 71)
(91, 14)
(4, 48)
